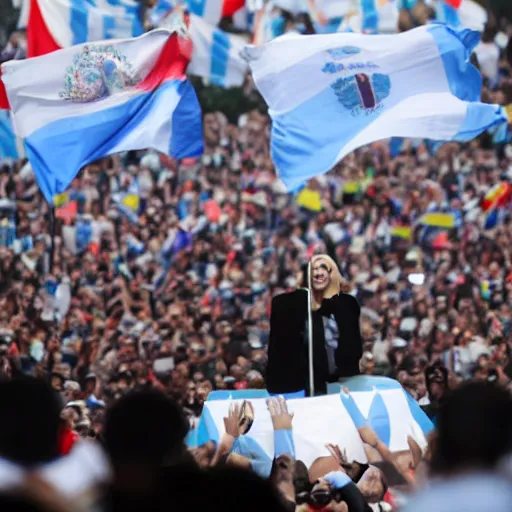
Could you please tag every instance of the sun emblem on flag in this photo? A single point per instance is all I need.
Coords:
(97, 72)
(362, 92)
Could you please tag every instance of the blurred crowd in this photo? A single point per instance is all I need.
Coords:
(155, 275)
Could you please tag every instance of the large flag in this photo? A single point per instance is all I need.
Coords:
(83, 103)
(377, 402)
(55, 24)
(331, 94)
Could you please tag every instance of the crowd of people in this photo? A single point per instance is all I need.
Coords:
(154, 278)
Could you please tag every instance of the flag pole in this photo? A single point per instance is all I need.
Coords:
(310, 335)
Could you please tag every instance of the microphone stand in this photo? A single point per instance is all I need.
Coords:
(310, 334)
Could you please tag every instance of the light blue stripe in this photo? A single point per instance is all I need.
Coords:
(419, 416)
(197, 7)
(207, 430)
(455, 47)
(221, 44)
(60, 149)
(291, 396)
(8, 147)
(160, 10)
(79, 19)
(78, 22)
(480, 117)
(366, 383)
(370, 17)
(447, 14)
(109, 26)
(353, 410)
(243, 394)
(379, 419)
(395, 146)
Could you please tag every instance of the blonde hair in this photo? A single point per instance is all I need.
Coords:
(338, 283)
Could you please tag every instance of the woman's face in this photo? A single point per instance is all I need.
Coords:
(321, 278)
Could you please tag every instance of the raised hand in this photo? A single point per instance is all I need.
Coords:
(281, 418)
(335, 451)
(231, 422)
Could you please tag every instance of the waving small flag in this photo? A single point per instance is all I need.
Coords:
(8, 143)
(448, 12)
(497, 196)
(216, 54)
(310, 200)
(404, 232)
(438, 220)
(56, 24)
(83, 103)
(356, 89)
(372, 17)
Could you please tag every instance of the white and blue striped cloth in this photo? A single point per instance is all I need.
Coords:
(121, 19)
(215, 53)
(331, 94)
(375, 401)
(9, 147)
(78, 21)
(372, 17)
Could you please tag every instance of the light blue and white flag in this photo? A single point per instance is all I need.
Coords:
(216, 54)
(10, 145)
(331, 94)
(212, 11)
(160, 11)
(446, 13)
(73, 22)
(332, 419)
(372, 17)
(470, 14)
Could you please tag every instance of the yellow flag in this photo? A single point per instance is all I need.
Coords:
(438, 220)
(401, 232)
(310, 199)
(132, 201)
(351, 187)
(60, 199)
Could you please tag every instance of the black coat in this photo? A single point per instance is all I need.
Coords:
(287, 369)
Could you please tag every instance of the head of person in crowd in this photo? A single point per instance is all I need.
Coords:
(474, 430)
(144, 431)
(29, 421)
(436, 377)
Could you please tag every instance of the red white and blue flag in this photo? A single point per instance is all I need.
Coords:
(79, 104)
